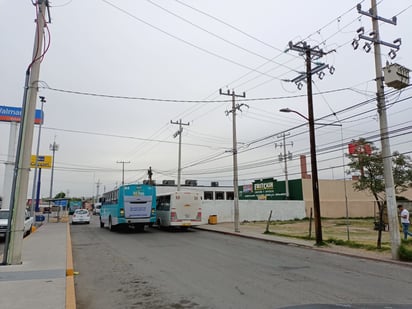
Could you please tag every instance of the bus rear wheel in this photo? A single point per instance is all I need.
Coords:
(111, 227)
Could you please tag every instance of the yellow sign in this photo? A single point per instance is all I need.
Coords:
(42, 161)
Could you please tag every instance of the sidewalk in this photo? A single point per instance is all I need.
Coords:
(256, 232)
(40, 281)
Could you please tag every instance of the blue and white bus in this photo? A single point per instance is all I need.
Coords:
(132, 205)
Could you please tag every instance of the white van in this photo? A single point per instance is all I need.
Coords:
(96, 209)
(179, 209)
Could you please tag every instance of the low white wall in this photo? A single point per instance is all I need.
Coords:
(252, 210)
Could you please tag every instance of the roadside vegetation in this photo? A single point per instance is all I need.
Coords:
(368, 161)
(405, 250)
(354, 233)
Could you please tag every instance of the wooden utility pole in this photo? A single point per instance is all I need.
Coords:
(234, 151)
(310, 55)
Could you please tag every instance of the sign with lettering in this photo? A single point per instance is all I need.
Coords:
(13, 114)
(42, 161)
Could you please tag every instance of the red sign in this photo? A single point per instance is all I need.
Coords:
(356, 148)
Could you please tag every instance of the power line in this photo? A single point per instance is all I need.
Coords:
(122, 97)
(218, 36)
(183, 40)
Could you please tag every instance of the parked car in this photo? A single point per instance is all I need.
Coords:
(4, 222)
(81, 216)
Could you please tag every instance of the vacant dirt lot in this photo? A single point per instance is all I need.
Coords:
(357, 230)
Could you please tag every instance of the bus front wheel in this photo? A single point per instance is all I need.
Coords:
(101, 223)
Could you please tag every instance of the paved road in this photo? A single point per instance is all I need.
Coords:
(199, 269)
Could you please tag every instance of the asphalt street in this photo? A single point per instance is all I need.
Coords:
(200, 269)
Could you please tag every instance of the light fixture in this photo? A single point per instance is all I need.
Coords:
(355, 44)
(367, 47)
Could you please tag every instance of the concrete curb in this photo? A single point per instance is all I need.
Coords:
(70, 291)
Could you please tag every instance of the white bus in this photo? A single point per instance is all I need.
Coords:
(179, 209)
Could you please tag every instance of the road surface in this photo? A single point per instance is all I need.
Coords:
(199, 269)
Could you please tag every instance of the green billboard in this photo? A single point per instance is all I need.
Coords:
(271, 189)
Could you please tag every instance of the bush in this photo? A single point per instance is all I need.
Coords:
(405, 251)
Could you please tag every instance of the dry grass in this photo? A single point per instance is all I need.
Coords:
(356, 230)
(352, 233)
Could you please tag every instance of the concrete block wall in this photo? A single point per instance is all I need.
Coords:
(253, 210)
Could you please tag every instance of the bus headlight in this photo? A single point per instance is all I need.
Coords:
(121, 212)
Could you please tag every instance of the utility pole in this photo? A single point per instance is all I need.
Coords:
(234, 151)
(179, 133)
(53, 147)
(284, 157)
(98, 183)
(383, 120)
(123, 163)
(312, 54)
(14, 237)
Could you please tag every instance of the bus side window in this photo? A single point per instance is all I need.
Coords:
(220, 195)
(163, 203)
(208, 195)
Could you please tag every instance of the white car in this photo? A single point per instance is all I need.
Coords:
(4, 222)
(81, 216)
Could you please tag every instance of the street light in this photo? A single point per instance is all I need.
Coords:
(288, 110)
(314, 167)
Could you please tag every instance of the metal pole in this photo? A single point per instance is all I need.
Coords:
(33, 196)
(38, 192)
(384, 136)
(314, 167)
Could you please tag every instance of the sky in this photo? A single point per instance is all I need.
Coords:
(118, 75)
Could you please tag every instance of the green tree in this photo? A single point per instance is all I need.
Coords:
(60, 195)
(369, 161)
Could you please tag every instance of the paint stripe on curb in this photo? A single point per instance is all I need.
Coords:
(70, 291)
